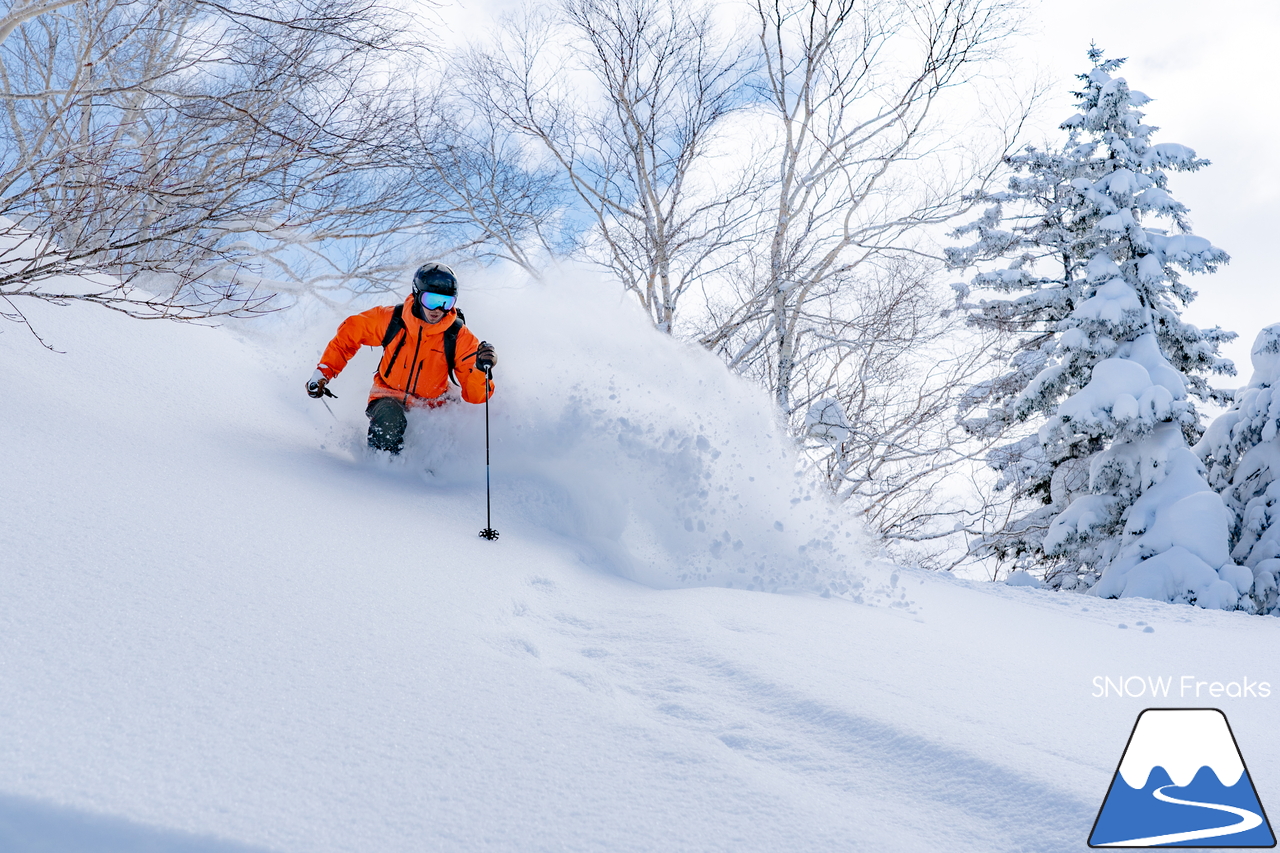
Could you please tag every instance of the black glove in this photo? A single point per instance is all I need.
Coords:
(316, 386)
(485, 357)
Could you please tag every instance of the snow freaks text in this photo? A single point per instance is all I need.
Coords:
(1180, 687)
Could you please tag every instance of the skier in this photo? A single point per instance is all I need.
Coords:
(425, 345)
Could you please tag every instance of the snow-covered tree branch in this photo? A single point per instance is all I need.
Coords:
(1241, 450)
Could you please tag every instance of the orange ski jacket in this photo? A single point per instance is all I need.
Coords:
(413, 368)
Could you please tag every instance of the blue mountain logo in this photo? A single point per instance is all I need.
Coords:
(1181, 783)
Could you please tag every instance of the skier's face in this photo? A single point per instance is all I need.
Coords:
(435, 305)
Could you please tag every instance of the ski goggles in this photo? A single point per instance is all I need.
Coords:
(436, 301)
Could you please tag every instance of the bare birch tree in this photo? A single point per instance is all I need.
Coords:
(880, 384)
(213, 153)
(836, 310)
(852, 89)
(626, 98)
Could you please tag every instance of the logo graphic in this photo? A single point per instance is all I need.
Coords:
(1181, 783)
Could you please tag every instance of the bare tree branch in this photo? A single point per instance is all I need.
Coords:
(635, 144)
(200, 155)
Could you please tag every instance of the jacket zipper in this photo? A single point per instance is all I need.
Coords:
(413, 378)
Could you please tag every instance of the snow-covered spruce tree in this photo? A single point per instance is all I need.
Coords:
(1094, 292)
(1242, 451)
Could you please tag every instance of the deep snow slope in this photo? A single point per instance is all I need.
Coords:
(223, 627)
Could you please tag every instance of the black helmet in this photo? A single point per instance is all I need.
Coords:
(435, 278)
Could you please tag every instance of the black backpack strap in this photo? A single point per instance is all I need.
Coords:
(451, 347)
(394, 327)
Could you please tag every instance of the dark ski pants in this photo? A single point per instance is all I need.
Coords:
(386, 424)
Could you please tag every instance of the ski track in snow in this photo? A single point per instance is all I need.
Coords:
(226, 631)
(831, 752)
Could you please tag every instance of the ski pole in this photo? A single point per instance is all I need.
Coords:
(488, 532)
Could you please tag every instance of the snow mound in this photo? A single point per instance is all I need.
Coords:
(1022, 578)
(1174, 543)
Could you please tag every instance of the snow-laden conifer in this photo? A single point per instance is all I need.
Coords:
(1242, 451)
(1097, 246)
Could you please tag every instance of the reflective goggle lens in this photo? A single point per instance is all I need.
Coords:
(436, 301)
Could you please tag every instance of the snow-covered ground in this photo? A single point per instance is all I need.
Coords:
(223, 627)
